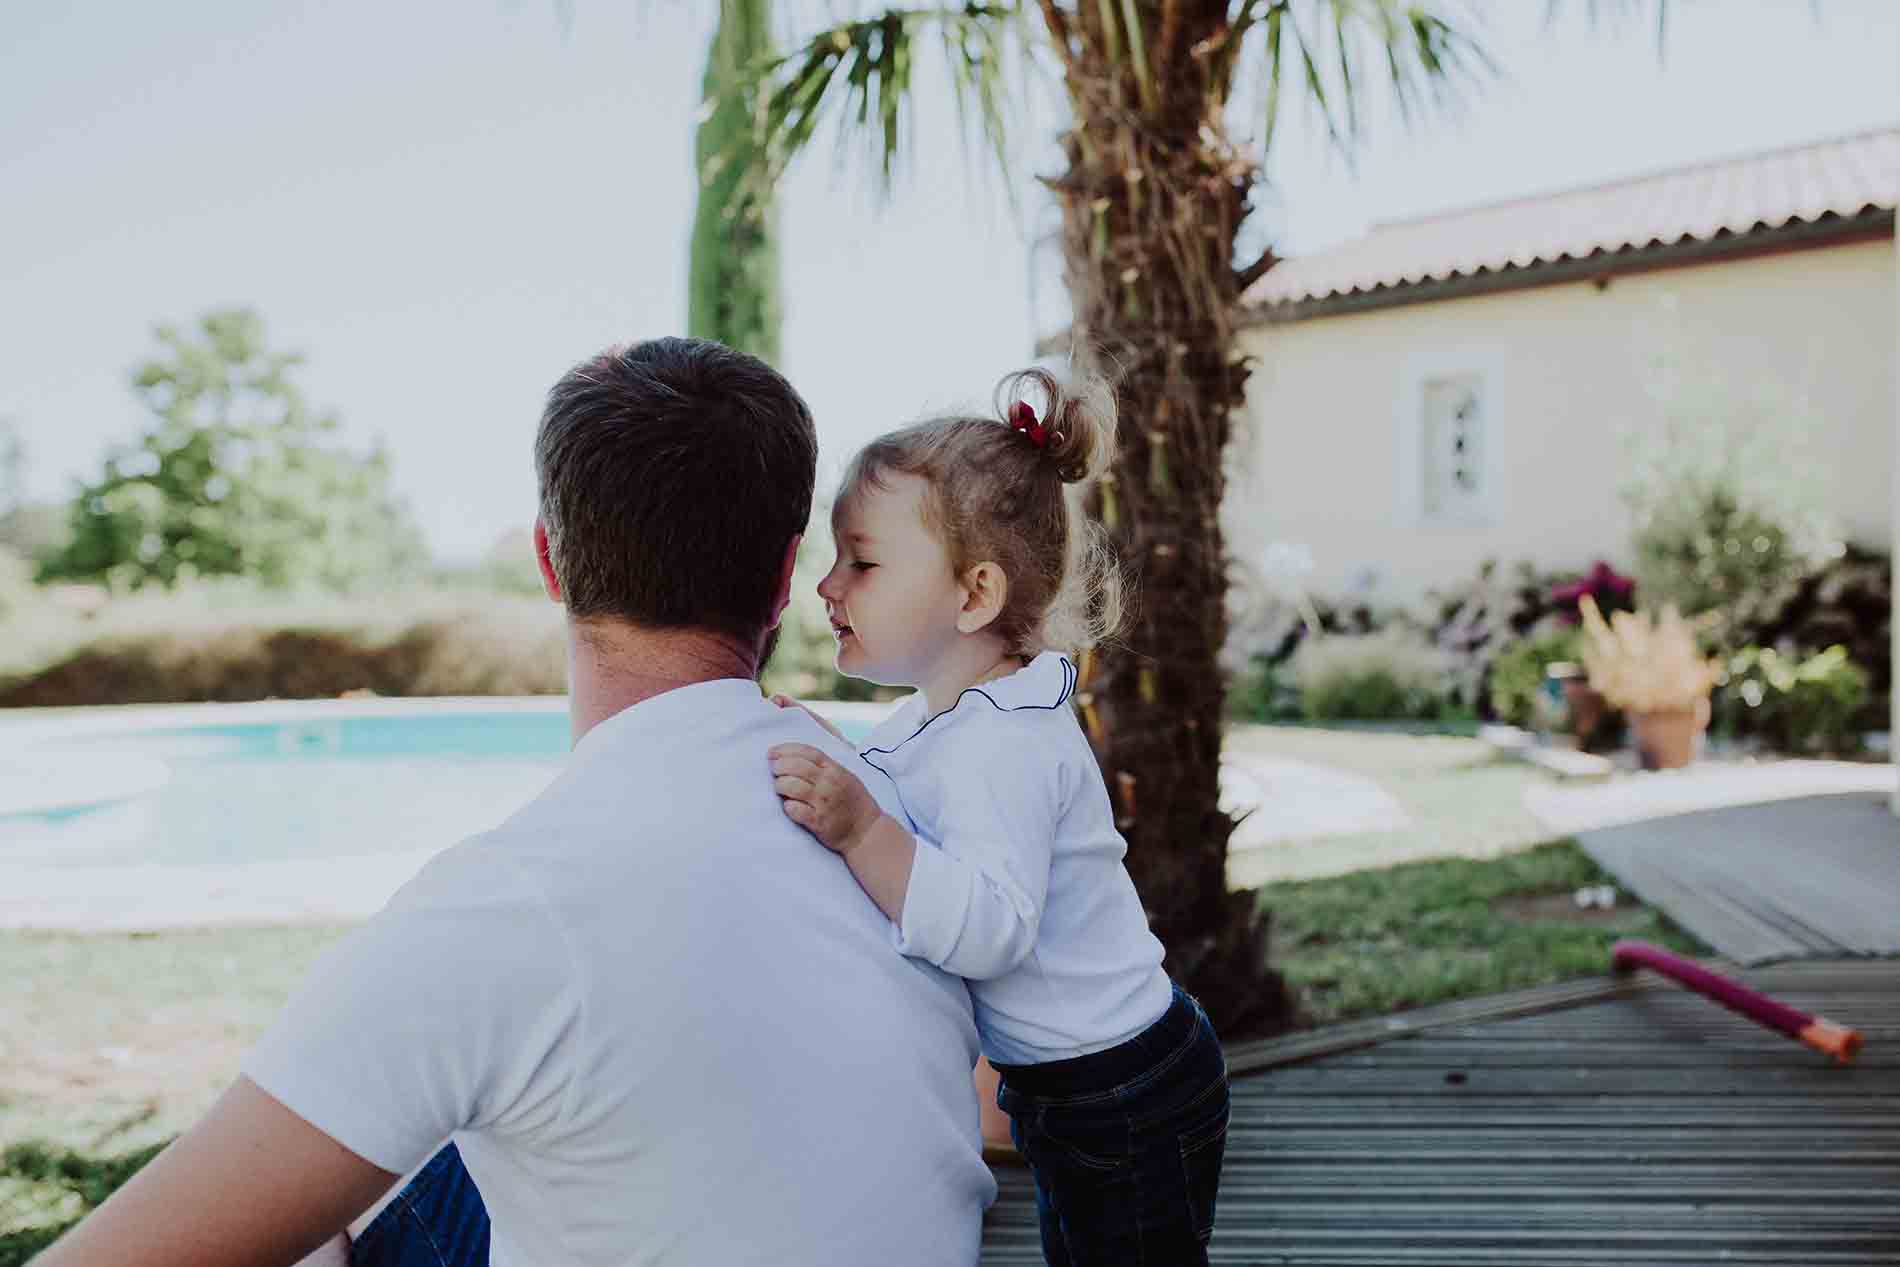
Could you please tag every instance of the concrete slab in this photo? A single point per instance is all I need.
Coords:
(1297, 800)
(1634, 798)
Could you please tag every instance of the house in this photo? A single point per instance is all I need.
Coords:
(1460, 387)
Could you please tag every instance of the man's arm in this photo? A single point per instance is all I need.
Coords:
(252, 1185)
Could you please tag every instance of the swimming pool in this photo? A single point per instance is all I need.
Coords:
(239, 785)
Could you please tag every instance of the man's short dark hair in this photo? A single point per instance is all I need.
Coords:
(673, 474)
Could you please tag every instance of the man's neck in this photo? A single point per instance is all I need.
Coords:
(612, 665)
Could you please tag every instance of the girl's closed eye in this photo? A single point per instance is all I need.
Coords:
(862, 565)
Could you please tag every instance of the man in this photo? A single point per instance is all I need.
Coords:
(659, 1021)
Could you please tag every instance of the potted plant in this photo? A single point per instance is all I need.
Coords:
(1592, 719)
(1652, 669)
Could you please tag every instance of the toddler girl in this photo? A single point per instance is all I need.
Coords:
(964, 570)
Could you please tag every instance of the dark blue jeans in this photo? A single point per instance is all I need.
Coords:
(1126, 1144)
(437, 1221)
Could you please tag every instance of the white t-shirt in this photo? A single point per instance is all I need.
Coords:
(660, 1020)
(1024, 892)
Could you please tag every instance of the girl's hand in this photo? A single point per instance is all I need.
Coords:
(786, 701)
(822, 796)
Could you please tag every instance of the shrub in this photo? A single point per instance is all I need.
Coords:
(1794, 703)
(1387, 676)
(1518, 673)
(172, 651)
(1847, 600)
(1473, 623)
(16, 583)
(1725, 519)
(1273, 631)
(1263, 692)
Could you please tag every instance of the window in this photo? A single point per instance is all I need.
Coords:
(1451, 449)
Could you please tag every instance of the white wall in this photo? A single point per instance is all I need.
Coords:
(1329, 458)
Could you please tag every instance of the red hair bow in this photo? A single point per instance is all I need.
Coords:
(1022, 418)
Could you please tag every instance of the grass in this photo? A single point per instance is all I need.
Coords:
(44, 1191)
(1426, 932)
(110, 1042)
(113, 1043)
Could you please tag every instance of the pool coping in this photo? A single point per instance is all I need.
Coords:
(150, 896)
(20, 725)
(25, 732)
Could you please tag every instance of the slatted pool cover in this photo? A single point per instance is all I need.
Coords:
(1813, 877)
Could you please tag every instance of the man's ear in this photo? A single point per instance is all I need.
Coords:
(787, 566)
(985, 591)
(549, 582)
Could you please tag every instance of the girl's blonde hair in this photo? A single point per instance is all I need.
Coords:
(997, 496)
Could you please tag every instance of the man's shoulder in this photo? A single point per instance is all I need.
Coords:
(480, 874)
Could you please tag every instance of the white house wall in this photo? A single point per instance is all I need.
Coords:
(1329, 455)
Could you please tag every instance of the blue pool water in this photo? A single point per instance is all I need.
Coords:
(298, 790)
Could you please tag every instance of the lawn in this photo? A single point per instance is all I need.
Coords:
(112, 1043)
(1426, 932)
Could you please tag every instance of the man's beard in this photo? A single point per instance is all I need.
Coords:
(770, 645)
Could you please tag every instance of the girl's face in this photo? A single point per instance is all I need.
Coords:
(891, 595)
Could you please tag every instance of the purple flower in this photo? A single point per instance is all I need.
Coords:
(1611, 589)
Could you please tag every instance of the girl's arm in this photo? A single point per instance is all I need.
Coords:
(828, 801)
(973, 906)
(881, 858)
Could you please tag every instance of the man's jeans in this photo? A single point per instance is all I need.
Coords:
(437, 1221)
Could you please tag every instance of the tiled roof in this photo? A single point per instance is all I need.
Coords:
(1842, 178)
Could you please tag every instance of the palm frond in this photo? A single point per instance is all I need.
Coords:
(1426, 53)
(860, 74)
(1601, 12)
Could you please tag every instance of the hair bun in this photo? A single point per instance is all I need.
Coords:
(1077, 422)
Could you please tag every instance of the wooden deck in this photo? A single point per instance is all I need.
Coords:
(1637, 1124)
(1814, 877)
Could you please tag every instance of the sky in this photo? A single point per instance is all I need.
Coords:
(443, 204)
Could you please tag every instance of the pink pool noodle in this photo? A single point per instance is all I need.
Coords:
(1817, 1032)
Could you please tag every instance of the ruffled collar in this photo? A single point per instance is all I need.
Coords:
(1044, 683)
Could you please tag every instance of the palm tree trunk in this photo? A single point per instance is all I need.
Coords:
(733, 275)
(1152, 199)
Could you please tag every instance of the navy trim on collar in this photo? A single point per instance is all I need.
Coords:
(1068, 689)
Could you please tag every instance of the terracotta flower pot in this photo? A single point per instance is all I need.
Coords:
(1667, 741)
(1587, 708)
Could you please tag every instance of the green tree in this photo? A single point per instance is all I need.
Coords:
(237, 476)
(12, 467)
(733, 278)
(1154, 188)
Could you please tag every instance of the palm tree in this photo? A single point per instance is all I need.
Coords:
(733, 274)
(1153, 193)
